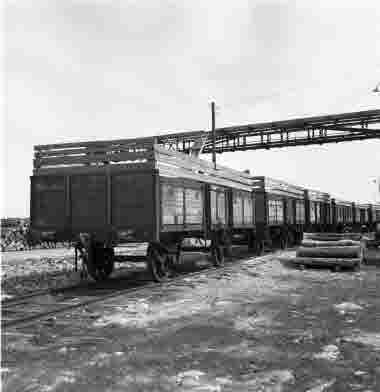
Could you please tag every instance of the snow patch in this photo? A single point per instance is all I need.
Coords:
(368, 339)
(254, 322)
(141, 314)
(322, 386)
(196, 380)
(329, 353)
(347, 307)
(272, 381)
(66, 377)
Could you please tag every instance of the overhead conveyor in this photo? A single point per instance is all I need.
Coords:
(334, 128)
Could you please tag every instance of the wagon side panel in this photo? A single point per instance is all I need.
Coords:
(88, 195)
(48, 203)
(134, 205)
(181, 205)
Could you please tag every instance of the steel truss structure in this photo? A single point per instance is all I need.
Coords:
(296, 132)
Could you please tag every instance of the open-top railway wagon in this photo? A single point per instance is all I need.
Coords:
(318, 210)
(343, 214)
(280, 212)
(376, 212)
(364, 215)
(108, 193)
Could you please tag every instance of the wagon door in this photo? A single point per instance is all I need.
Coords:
(134, 210)
(219, 206)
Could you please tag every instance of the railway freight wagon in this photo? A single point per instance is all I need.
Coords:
(377, 212)
(364, 214)
(318, 210)
(342, 214)
(109, 193)
(374, 215)
(280, 212)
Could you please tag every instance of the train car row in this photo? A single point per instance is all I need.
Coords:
(108, 193)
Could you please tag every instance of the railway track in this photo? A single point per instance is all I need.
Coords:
(47, 303)
(85, 284)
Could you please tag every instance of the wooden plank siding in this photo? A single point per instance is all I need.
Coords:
(54, 159)
(117, 189)
(92, 158)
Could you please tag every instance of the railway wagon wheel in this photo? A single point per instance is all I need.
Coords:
(159, 263)
(99, 262)
(217, 254)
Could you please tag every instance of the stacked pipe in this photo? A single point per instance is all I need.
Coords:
(337, 250)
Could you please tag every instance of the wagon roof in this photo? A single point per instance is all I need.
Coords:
(277, 187)
(343, 202)
(363, 205)
(315, 195)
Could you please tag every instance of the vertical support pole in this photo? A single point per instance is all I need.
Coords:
(213, 133)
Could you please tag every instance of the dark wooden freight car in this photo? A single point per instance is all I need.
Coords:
(318, 211)
(280, 212)
(107, 193)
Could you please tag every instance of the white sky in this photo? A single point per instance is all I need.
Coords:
(99, 69)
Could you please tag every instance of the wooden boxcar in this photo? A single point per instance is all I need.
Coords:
(377, 212)
(374, 215)
(318, 210)
(107, 193)
(343, 214)
(364, 214)
(280, 212)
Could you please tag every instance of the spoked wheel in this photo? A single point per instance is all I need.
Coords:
(159, 264)
(99, 262)
(217, 254)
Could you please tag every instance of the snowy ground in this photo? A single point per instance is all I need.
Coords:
(25, 271)
(258, 325)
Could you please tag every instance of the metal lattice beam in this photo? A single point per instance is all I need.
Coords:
(297, 132)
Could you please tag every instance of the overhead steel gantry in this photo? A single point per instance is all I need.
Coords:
(333, 128)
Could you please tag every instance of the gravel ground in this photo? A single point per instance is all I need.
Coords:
(26, 271)
(258, 325)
